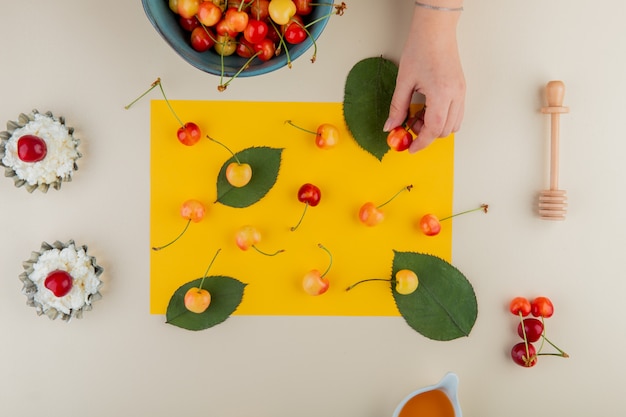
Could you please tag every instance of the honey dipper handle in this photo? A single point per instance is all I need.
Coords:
(555, 91)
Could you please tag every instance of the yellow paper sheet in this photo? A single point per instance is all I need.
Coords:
(347, 177)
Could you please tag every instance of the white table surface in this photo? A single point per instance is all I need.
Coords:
(85, 60)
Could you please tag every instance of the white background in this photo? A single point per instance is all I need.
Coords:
(86, 59)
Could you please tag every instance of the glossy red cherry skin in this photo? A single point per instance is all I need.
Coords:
(59, 282)
(309, 194)
(31, 148)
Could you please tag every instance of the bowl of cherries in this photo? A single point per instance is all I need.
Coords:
(240, 37)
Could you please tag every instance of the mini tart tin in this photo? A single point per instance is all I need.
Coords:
(21, 122)
(88, 267)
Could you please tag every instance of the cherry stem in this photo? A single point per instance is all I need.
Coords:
(367, 280)
(314, 57)
(544, 338)
(266, 253)
(483, 207)
(301, 128)
(282, 44)
(226, 147)
(407, 188)
(177, 237)
(319, 245)
(154, 84)
(306, 205)
(207, 270)
(223, 85)
(524, 333)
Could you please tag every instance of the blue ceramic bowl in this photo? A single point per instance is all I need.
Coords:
(166, 24)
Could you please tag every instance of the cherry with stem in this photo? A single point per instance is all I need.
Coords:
(189, 133)
(371, 214)
(192, 211)
(198, 299)
(314, 282)
(430, 224)
(238, 174)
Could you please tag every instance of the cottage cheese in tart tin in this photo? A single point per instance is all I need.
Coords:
(39, 151)
(61, 280)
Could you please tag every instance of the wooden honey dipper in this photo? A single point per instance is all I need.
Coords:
(553, 202)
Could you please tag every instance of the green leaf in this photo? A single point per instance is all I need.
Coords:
(444, 305)
(265, 164)
(226, 295)
(367, 97)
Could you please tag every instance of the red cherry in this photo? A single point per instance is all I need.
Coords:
(59, 282)
(295, 33)
(31, 148)
(189, 24)
(189, 134)
(524, 357)
(202, 39)
(533, 329)
(265, 49)
(309, 194)
(256, 31)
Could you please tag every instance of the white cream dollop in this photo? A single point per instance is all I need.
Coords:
(79, 265)
(60, 158)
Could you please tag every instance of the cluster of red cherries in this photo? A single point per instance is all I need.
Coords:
(532, 330)
(250, 29)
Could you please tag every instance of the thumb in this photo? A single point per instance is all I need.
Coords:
(399, 108)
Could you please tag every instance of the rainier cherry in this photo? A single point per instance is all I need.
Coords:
(406, 282)
(31, 148)
(310, 195)
(314, 282)
(371, 214)
(192, 211)
(248, 236)
(188, 8)
(209, 13)
(238, 174)
(197, 299)
(59, 282)
(188, 133)
(326, 136)
(399, 139)
(431, 225)
(281, 11)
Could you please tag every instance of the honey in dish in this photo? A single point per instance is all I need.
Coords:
(434, 403)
